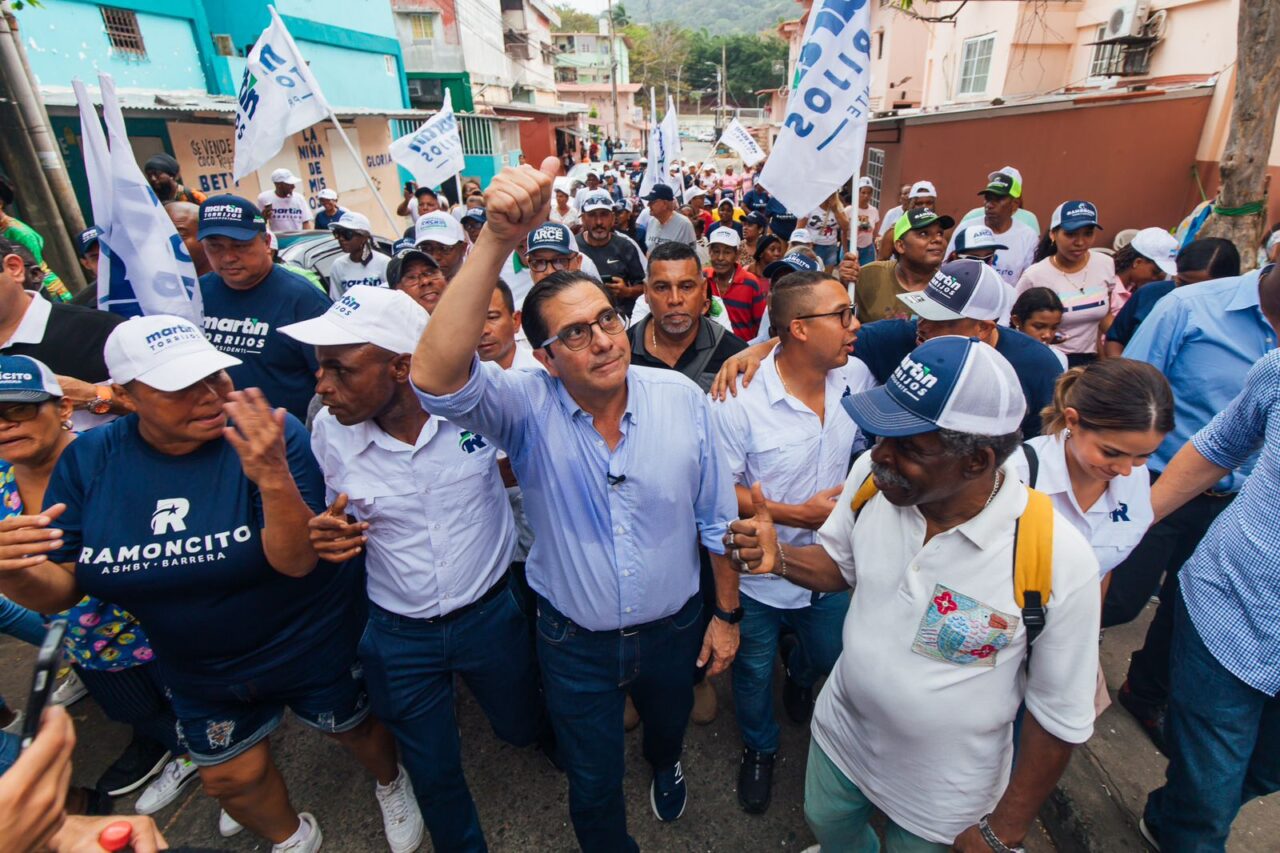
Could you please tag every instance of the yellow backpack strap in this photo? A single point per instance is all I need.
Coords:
(865, 492)
(1033, 562)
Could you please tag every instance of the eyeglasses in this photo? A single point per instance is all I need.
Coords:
(558, 263)
(577, 336)
(989, 260)
(419, 279)
(845, 314)
(19, 412)
(343, 234)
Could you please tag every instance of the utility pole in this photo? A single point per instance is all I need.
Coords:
(613, 78)
(724, 87)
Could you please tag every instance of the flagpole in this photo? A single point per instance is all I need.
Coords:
(457, 187)
(391, 220)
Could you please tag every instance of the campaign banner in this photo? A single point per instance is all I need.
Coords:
(825, 127)
(279, 96)
(664, 148)
(738, 138)
(143, 266)
(433, 152)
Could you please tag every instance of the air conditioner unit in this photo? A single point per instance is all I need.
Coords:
(1126, 21)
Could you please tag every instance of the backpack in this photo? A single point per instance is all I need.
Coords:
(1032, 550)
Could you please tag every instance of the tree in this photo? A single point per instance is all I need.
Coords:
(749, 61)
(658, 55)
(1253, 122)
(620, 17)
(574, 21)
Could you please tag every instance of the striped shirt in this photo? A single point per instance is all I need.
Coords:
(745, 298)
(1231, 585)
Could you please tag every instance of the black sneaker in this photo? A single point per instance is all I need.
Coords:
(668, 794)
(142, 759)
(755, 781)
(1151, 719)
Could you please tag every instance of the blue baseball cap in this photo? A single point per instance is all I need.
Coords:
(948, 382)
(1074, 215)
(553, 236)
(230, 216)
(25, 380)
(788, 263)
(661, 192)
(963, 289)
(86, 238)
(475, 214)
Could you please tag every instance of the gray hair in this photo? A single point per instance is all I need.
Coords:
(969, 444)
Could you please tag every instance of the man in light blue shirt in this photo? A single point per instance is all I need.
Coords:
(1224, 702)
(622, 478)
(1204, 339)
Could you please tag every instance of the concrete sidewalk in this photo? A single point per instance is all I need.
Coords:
(1101, 796)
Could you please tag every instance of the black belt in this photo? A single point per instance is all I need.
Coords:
(494, 591)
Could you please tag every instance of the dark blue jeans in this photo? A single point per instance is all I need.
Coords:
(818, 628)
(1224, 747)
(587, 676)
(409, 665)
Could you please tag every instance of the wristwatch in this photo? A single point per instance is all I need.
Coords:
(101, 404)
(993, 840)
(733, 617)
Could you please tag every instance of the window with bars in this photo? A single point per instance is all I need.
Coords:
(1107, 60)
(875, 171)
(123, 32)
(422, 27)
(975, 64)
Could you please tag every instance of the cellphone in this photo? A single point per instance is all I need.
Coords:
(42, 679)
(409, 187)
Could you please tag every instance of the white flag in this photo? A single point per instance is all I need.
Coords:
(143, 266)
(664, 147)
(433, 152)
(825, 128)
(738, 138)
(671, 146)
(653, 169)
(278, 97)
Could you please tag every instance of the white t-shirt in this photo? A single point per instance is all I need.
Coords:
(823, 227)
(918, 712)
(346, 274)
(866, 216)
(1115, 523)
(891, 216)
(1012, 262)
(1086, 296)
(769, 436)
(287, 214)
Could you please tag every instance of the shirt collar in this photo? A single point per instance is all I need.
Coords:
(367, 433)
(994, 524)
(571, 405)
(34, 320)
(1246, 295)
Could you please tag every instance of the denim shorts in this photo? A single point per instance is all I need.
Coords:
(219, 722)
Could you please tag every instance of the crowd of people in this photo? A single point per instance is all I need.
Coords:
(587, 447)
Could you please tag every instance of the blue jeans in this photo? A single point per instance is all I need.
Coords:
(409, 665)
(829, 255)
(18, 621)
(818, 628)
(1224, 747)
(587, 676)
(867, 254)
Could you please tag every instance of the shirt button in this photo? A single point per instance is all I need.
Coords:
(619, 529)
(435, 527)
(628, 610)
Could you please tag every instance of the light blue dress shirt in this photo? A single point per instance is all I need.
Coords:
(615, 533)
(1204, 338)
(1231, 584)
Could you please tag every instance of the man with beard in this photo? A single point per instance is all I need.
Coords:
(163, 174)
(920, 243)
(616, 258)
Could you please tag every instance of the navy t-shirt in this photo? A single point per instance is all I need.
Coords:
(1136, 310)
(324, 220)
(881, 346)
(177, 541)
(246, 324)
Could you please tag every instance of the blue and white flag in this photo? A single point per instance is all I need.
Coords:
(738, 138)
(279, 96)
(143, 266)
(433, 152)
(664, 148)
(825, 128)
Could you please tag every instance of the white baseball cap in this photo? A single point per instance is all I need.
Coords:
(948, 382)
(1158, 246)
(693, 192)
(963, 289)
(724, 237)
(438, 227)
(327, 195)
(352, 221)
(865, 181)
(801, 235)
(923, 189)
(365, 314)
(166, 352)
(599, 200)
(977, 236)
(284, 176)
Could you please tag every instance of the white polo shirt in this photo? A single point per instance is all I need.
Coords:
(1116, 522)
(345, 273)
(918, 712)
(440, 528)
(769, 436)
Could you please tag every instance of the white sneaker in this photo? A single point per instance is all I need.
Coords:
(817, 848)
(228, 826)
(167, 786)
(401, 817)
(309, 844)
(70, 691)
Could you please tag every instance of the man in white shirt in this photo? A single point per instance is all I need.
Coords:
(917, 717)
(786, 432)
(1020, 213)
(424, 499)
(361, 264)
(892, 214)
(285, 209)
(1000, 206)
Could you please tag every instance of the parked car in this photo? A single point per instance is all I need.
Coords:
(317, 250)
(626, 156)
